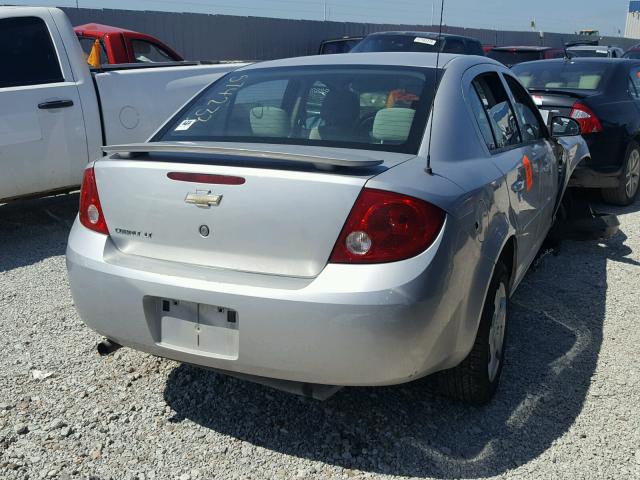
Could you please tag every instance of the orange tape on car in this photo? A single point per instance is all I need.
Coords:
(528, 170)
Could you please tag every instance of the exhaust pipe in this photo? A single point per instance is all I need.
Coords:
(107, 347)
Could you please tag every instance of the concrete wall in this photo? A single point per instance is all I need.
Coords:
(223, 37)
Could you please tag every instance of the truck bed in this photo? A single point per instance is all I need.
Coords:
(136, 100)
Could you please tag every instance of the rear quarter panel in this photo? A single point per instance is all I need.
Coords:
(459, 153)
(470, 189)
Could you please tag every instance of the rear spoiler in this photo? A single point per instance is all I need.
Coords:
(134, 149)
(567, 93)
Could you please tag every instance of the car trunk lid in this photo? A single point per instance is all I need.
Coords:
(559, 102)
(267, 210)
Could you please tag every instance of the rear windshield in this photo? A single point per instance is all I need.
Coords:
(602, 53)
(513, 58)
(416, 43)
(338, 46)
(634, 54)
(372, 108)
(562, 75)
(397, 43)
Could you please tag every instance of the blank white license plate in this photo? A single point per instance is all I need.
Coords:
(198, 328)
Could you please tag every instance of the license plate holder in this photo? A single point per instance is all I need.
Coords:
(198, 328)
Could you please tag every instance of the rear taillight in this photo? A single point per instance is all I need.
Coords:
(589, 122)
(387, 227)
(91, 215)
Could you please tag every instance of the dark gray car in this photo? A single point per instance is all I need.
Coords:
(426, 42)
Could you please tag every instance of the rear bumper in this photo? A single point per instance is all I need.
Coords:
(351, 325)
(585, 177)
(604, 166)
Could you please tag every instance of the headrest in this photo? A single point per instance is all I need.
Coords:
(269, 122)
(393, 124)
(340, 108)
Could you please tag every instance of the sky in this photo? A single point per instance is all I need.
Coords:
(565, 16)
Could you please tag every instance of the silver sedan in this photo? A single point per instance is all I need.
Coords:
(328, 221)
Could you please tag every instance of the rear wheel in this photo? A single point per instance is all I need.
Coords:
(476, 379)
(627, 190)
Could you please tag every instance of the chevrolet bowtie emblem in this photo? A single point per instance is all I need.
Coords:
(203, 199)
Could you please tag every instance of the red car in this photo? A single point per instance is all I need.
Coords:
(118, 45)
(487, 48)
(511, 56)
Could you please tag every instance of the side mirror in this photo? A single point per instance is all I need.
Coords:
(564, 127)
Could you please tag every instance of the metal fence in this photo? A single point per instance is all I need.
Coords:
(224, 37)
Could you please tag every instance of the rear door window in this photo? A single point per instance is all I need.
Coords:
(499, 113)
(531, 126)
(482, 118)
(27, 52)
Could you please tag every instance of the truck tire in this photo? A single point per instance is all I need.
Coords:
(476, 379)
(625, 193)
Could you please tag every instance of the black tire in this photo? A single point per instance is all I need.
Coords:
(621, 195)
(470, 381)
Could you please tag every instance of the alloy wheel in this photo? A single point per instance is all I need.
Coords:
(497, 331)
(633, 174)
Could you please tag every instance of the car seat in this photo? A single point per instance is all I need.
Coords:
(339, 116)
(269, 121)
(393, 125)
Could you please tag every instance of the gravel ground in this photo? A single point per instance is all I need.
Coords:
(569, 405)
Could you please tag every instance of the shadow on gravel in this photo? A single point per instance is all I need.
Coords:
(32, 230)
(555, 339)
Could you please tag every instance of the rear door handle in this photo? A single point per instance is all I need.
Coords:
(55, 104)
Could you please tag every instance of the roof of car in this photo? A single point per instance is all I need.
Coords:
(100, 28)
(400, 59)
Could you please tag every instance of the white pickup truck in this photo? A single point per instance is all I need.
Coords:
(56, 114)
